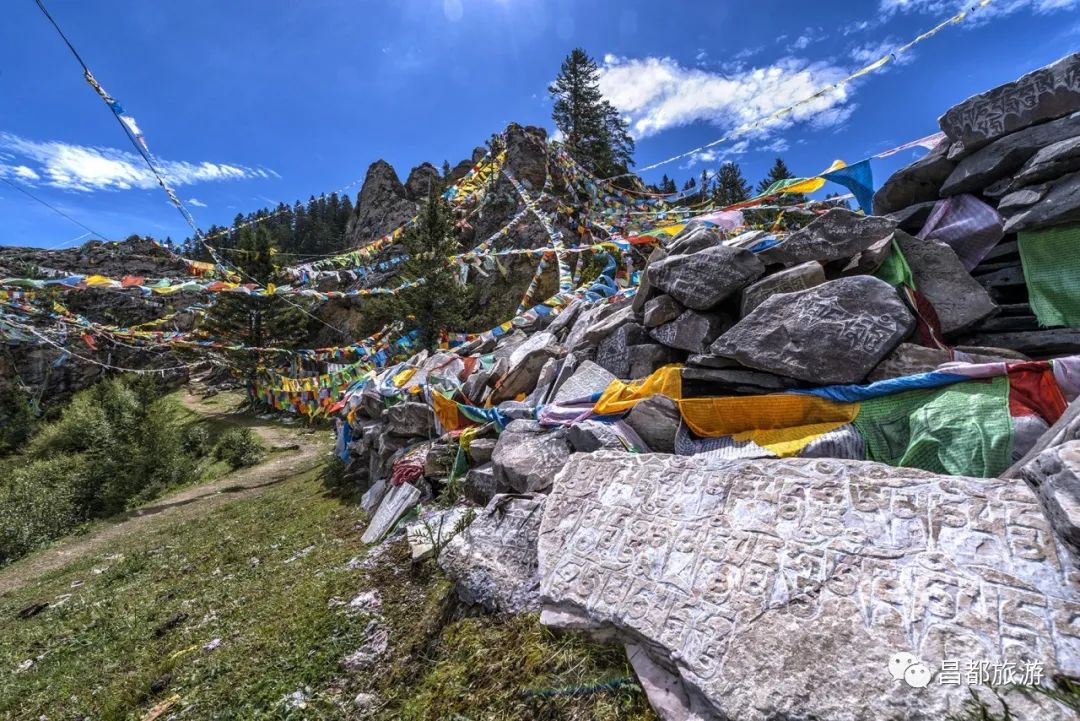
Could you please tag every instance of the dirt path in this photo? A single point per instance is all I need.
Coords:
(304, 449)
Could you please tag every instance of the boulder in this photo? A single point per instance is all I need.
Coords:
(912, 218)
(1046, 94)
(410, 419)
(1003, 157)
(833, 333)
(395, 504)
(493, 561)
(735, 381)
(476, 385)
(798, 277)
(692, 331)
(479, 484)
(909, 359)
(438, 461)
(480, 450)
(1059, 204)
(808, 588)
(589, 378)
(645, 291)
(1050, 162)
(839, 233)
(526, 365)
(660, 310)
(527, 457)
(702, 280)
(959, 300)
(919, 182)
(656, 420)
(509, 343)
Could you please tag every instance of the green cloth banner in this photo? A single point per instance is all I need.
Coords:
(1051, 260)
(963, 429)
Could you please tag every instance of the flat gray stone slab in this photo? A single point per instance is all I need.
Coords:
(395, 504)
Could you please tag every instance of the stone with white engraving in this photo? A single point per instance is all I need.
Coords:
(526, 364)
(527, 457)
(704, 279)
(839, 233)
(410, 419)
(798, 277)
(692, 331)
(781, 589)
(1044, 94)
(692, 238)
(833, 333)
(395, 504)
(959, 300)
(493, 561)
(613, 352)
(589, 378)
(1003, 157)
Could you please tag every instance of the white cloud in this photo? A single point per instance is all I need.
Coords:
(656, 94)
(195, 202)
(88, 168)
(869, 52)
(19, 172)
(856, 27)
(717, 154)
(999, 8)
(800, 43)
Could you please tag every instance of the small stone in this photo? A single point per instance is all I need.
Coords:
(647, 357)
(693, 238)
(479, 484)
(798, 277)
(660, 310)
(656, 420)
(692, 331)
(1050, 162)
(527, 457)
(589, 378)
(480, 450)
(395, 504)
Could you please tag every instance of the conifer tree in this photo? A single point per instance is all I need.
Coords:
(594, 133)
(439, 303)
(779, 171)
(258, 321)
(730, 186)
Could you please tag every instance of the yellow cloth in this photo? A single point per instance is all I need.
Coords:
(446, 411)
(673, 229)
(783, 423)
(811, 185)
(403, 377)
(96, 280)
(620, 396)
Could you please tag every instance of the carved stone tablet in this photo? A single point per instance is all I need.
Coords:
(395, 504)
(783, 588)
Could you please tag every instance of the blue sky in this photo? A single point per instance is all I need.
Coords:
(249, 102)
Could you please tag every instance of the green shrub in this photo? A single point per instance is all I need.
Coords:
(196, 441)
(17, 418)
(239, 447)
(38, 504)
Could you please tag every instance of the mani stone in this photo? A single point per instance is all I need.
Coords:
(526, 363)
(645, 291)
(493, 561)
(588, 436)
(660, 310)
(839, 233)
(373, 496)
(782, 588)
(799, 277)
(589, 378)
(613, 353)
(647, 357)
(912, 218)
(1045, 94)
(395, 504)
(692, 238)
(479, 484)
(656, 420)
(410, 419)
(1003, 157)
(1052, 475)
(919, 182)
(909, 359)
(702, 280)
(526, 458)
(692, 331)
(833, 333)
(959, 300)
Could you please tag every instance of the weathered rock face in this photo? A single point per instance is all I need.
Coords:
(960, 301)
(526, 458)
(526, 154)
(1001, 158)
(660, 310)
(410, 419)
(833, 333)
(837, 234)
(493, 561)
(589, 378)
(919, 182)
(1050, 162)
(1056, 203)
(656, 420)
(394, 504)
(704, 279)
(421, 179)
(383, 204)
(789, 588)
(1045, 94)
(694, 238)
(799, 277)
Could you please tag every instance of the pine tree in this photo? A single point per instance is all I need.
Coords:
(437, 304)
(730, 186)
(689, 184)
(667, 185)
(258, 321)
(594, 133)
(445, 170)
(704, 184)
(779, 171)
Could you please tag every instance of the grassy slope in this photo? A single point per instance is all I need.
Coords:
(267, 575)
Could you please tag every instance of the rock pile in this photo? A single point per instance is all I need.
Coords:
(752, 572)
